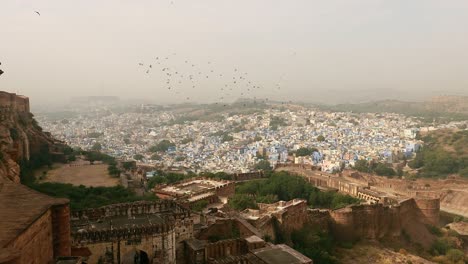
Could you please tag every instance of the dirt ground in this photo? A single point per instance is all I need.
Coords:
(87, 175)
(377, 255)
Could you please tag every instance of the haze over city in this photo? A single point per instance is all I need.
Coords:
(314, 51)
(229, 132)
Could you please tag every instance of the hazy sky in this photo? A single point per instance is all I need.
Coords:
(315, 50)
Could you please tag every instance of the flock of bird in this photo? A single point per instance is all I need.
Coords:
(178, 75)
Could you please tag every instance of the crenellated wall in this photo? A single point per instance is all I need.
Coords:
(13, 102)
(376, 221)
(363, 221)
(248, 176)
(135, 208)
(159, 239)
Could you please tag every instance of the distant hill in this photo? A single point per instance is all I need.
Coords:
(95, 99)
(439, 108)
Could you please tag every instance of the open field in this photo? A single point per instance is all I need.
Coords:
(87, 175)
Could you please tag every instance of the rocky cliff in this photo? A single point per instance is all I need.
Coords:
(20, 136)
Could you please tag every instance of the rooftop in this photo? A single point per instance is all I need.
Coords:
(19, 208)
(193, 186)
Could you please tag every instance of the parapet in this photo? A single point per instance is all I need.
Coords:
(129, 209)
(123, 233)
(14, 102)
(430, 209)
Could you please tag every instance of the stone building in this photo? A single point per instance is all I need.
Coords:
(34, 228)
(193, 190)
(151, 231)
(250, 250)
(290, 215)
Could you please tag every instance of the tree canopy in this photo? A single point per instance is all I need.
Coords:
(96, 147)
(444, 153)
(82, 197)
(284, 186)
(305, 151)
(162, 146)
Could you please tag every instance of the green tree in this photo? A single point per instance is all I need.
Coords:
(14, 134)
(226, 138)
(162, 146)
(138, 157)
(305, 151)
(113, 170)
(82, 197)
(320, 138)
(314, 243)
(383, 170)
(455, 255)
(241, 202)
(96, 147)
(263, 165)
(128, 165)
(199, 206)
(276, 122)
(362, 165)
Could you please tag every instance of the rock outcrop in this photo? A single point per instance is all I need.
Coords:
(20, 136)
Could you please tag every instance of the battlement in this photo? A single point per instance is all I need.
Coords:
(248, 176)
(132, 209)
(14, 102)
(122, 233)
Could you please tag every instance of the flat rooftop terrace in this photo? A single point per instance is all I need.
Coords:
(193, 187)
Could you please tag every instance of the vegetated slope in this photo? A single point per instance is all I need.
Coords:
(21, 138)
(445, 152)
(438, 108)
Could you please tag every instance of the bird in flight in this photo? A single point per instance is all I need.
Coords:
(37, 13)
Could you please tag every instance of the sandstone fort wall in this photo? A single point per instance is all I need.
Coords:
(36, 243)
(13, 102)
(129, 209)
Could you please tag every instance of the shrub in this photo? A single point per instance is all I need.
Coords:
(14, 133)
(434, 230)
(455, 255)
(199, 206)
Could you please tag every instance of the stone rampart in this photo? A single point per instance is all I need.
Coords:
(376, 221)
(14, 102)
(61, 230)
(129, 209)
(85, 237)
(429, 209)
(223, 248)
(248, 176)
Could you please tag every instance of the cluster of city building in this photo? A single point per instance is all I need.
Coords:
(237, 142)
